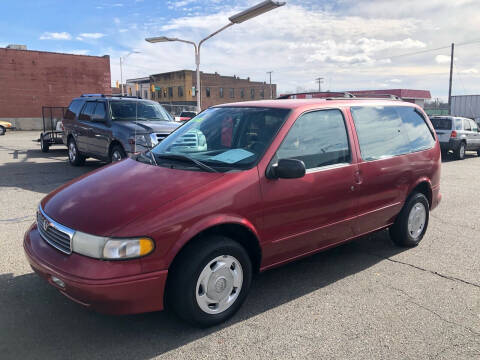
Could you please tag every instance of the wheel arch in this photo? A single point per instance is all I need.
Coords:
(112, 144)
(241, 232)
(423, 186)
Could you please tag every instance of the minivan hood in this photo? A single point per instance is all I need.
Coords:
(103, 201)
(143, 127)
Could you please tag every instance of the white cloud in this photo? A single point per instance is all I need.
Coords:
(116, 20)
(442, 59)
(79, 51)
(55, 36)
(469, 71)
(94, 36)
(396, 81)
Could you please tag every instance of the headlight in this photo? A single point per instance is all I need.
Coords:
(153, 139)
(143, 140)
(110, 248)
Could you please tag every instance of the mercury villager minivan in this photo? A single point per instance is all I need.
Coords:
(238, 189)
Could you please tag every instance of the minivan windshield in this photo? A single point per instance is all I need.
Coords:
(143, 110)
(441, 123)
(222, 138)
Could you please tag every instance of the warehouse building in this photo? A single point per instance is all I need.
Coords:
(32, 79)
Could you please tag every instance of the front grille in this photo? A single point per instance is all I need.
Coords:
(160, 136)
(55, 234)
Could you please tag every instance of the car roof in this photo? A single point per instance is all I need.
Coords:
(108, 97)
(317, 103)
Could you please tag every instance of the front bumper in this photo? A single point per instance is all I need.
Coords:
(117, 295)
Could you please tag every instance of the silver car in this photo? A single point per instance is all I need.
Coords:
(457, 134)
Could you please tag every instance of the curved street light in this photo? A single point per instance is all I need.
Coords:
(121, 70)
(245, 15)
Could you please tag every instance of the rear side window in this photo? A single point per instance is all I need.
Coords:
(100, 110)
(474, 126)
(87, 111)
(458, 124)
(73, 109)
(441, 123)
(466, 125)
(385, 131)
(318, 138)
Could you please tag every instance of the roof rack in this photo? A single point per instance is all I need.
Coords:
(346, 95)
(92, 95)
(115, 95)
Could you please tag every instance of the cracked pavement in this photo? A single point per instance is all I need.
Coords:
(364, 300)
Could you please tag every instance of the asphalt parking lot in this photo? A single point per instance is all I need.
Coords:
(363, 300)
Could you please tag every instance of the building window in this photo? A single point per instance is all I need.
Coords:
(170, 92)
(207, 92)
(145, 94)
(159, 94)
(252, 93)
(180, 91)
(242, 93)
(165, 92)
(262, 93)
(130, 91)
(153, 95)
(232, 92)
(221, 92)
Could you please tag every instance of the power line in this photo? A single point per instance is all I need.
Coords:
(428, 50)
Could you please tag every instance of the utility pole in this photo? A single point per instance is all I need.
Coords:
(271, 90)
(320, 81)
(450, 83)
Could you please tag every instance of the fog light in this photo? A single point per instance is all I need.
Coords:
(58, 282)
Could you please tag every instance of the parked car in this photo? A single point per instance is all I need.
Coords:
(112, 128)
(259, 184)
(186, 115)
(457, 134)
(4, 125)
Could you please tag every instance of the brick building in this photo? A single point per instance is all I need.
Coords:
(178, 88)
(32, 79)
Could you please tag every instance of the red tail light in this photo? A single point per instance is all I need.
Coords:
(454, 134)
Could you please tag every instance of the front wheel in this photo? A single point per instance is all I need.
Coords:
(117, 153)
(2, 130)
(411, 224)
(210, 281)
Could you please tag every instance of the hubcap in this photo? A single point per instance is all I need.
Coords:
(72, 151)
(116, 156)
(416, 220)
(462, 150)
(219, 284)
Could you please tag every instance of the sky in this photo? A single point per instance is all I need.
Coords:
(352, 44)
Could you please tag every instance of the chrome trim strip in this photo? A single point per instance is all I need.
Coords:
(327, 167)
(52, 223)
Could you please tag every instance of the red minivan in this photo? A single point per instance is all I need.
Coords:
(238, 189)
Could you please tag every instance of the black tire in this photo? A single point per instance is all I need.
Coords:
(74, 156)
(478, 152)
(399, 232)
(181, 292)
(2, 130)
(44, 146)
(460, 151)
(117, 153)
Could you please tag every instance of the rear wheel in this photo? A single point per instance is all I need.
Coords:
(74, 156)
(2, 130)
(478, 152)
(460, 152)
(44, 145)
(117, 153)
(210, 281)
(412, 222)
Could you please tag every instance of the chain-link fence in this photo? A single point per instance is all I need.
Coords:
(176, 110)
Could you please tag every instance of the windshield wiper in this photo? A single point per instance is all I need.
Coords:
(181, 157)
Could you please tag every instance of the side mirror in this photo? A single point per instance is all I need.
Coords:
(287, 169)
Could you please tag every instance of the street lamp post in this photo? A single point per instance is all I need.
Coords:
(121, 70)
(245, 15)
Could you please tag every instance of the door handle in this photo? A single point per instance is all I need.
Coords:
(357, 176)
